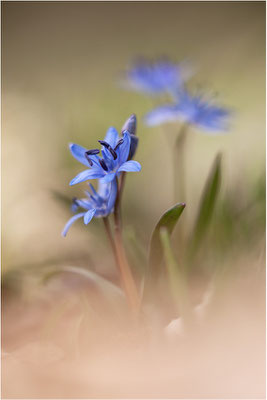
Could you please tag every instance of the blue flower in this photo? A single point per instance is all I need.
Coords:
(114, 160)
(195, 110)
(158, 77)
(97, 204)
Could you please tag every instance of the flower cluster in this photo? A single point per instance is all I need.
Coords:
(116, 157)
(159, 77)
(97, 204)
(167, 77)
(195, 110)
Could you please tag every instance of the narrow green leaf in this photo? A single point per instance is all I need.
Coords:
(168, 221)
(207, 203)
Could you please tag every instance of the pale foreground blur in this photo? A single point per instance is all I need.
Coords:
(67, 341)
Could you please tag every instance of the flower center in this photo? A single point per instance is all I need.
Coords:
(110, 149)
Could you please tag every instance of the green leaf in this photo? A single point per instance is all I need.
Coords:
(168, 221)
(207, 203)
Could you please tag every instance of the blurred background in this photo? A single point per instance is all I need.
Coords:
(61, 69)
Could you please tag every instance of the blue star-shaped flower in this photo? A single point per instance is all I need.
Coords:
(114, 160)
(97, 204)
(195, 110)
(158, 77)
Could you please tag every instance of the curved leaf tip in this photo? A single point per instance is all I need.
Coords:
(167, 221)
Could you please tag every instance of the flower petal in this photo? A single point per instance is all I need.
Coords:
(112, 136)
(130, 166)
(103, 189)
(133, 146)
(108, 177)
(78, 153)
(108, 158)
(159, 115)
(214, 119)
(87, 174)
(70, 222)
(112, 196)
(89, 215)
(84, 203)
(124, 148)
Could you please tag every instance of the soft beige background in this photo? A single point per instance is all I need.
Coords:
(61, 63)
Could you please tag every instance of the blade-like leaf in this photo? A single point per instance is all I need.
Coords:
(168, 221)
(207, 203)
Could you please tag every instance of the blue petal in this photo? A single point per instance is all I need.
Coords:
(74, 207)
(78, 153)
(112, 136)
(103, 189)
(109, 177)
(160, 76)
(124, 148)
(98, 196)
(93, 189)
(112, 196)
(95, 160)
(89, 215)
(108, 158)
(130, 166)
(87, 174)
(214, 119)
(70, 222)
(160, 115)
(133, 146)
(84, 203)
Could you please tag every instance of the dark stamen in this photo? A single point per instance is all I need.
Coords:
(92, 152)
(88, 159)
(103, 164)
(74, 201)
(110, 149)
(118, 144)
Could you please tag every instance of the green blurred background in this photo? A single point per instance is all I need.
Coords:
(61, 64)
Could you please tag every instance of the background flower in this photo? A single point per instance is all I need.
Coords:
(195, 110)
(157, 77)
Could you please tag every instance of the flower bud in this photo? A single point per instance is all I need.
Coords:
(130, 126)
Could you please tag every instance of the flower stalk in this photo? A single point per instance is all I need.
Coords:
(125, 270)
(110, 237)
(179, 165)
(179, 175)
